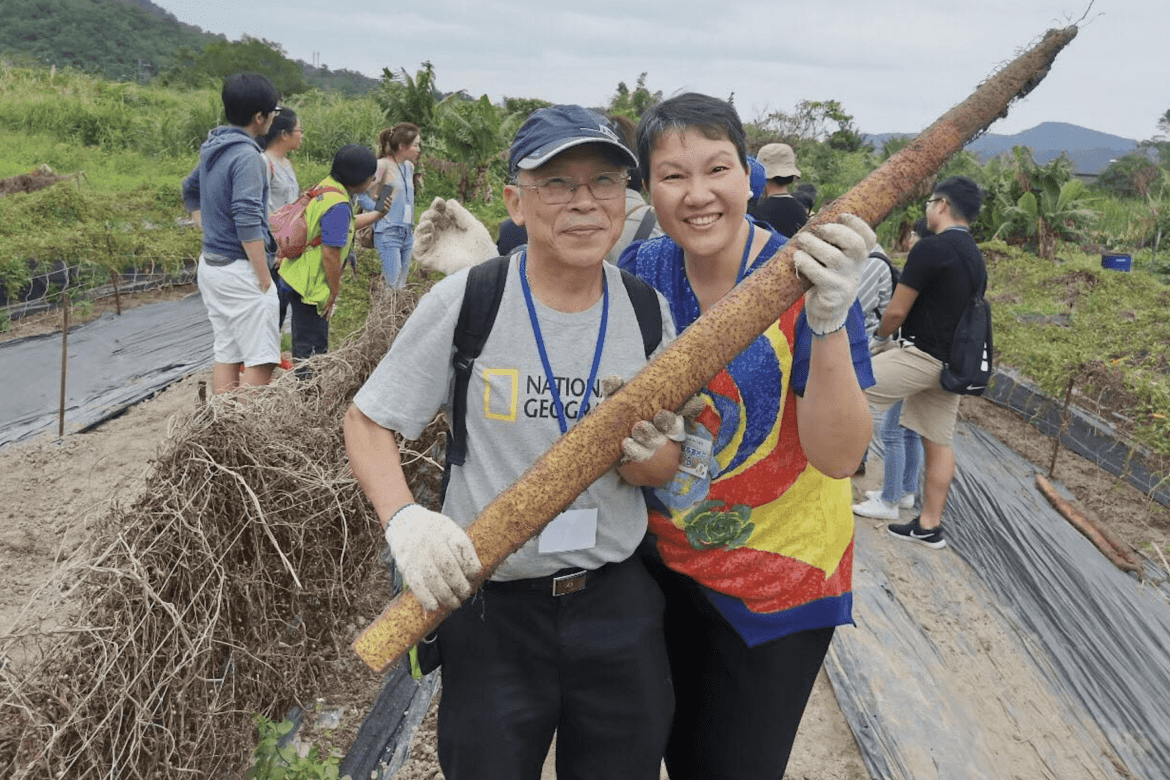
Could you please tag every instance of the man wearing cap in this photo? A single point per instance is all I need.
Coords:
(566, 635)
(779, 209)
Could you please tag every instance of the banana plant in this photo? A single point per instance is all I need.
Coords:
(1050, 204)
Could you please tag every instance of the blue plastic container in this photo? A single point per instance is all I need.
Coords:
(1117, 262)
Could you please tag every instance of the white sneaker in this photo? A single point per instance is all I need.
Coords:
(905, 502)
(878, 509)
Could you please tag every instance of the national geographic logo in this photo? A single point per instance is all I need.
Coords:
(502, 395)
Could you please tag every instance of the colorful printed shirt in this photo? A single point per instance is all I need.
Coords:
(767, 536)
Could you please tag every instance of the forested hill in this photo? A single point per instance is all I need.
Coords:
(121, 39)
(133, 40)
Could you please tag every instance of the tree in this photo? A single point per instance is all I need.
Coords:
(523, 106)
(633, 104)
(814, 120)
(1129, 176)
(469, 134)
(406, 99)
(221, 58)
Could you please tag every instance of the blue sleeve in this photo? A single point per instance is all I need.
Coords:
(249, 206)
(335, 225)
(858, 350)
(190, 190)
(365, 201)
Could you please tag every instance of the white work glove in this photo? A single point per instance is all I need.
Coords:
(449, 238)
(831, 257)
(434, 555)
(648, 435)
(878, 345)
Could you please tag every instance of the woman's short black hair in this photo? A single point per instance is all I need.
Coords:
(285, 122)
(245, 94)
(353, 164)
(715, 118)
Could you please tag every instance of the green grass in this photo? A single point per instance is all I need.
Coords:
(1117, 322)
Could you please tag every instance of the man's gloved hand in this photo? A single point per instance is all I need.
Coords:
(434, 555)
(831, 257)
(449, 238)
(648, 435)
(879, 345)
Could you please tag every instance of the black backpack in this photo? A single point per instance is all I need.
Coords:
(481, 301)
(895, 274)
(969, 369)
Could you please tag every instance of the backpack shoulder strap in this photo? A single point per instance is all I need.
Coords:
(645, 301)
(649, 220)
(481, 301)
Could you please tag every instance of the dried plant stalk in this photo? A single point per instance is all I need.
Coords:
(592, 447)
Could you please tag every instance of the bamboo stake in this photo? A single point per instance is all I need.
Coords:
(117, 294)
(64, 366)
(594, 445)
(1072, 378)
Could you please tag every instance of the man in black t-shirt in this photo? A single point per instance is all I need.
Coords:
(778, 208)
(942, 272)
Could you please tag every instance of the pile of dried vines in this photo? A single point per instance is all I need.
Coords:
(210, 596)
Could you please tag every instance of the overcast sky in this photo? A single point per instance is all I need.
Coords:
(896, 65)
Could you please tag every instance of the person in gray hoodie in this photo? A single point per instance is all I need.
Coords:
(227, 193)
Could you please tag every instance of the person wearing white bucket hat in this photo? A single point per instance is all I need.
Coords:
(778, 208)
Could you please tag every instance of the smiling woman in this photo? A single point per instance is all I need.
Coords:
(752, 542)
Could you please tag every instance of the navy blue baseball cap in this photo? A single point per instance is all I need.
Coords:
(549, 131)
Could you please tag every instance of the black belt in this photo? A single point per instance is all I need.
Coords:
(561, 583)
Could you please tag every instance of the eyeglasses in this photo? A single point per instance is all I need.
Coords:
(932, 200)
(558, 190)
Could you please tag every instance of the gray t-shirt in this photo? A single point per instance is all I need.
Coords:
(511, 418)
(283, 188)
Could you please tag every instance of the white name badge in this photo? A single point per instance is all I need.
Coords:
(573, 529)
(696, 451)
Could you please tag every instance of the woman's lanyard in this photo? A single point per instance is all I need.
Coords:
(747, 250)
(548, 372)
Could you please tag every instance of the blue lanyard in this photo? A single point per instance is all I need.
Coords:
(747, 250)
(548, 372)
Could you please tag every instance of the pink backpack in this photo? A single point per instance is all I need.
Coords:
(289, 227)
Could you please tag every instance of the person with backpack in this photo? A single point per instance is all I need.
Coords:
(314, 278)
(228, 195)
(942, 273)
(566, 635)
(752, 542)
(284, 136)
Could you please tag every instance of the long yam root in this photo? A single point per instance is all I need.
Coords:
(594, 445)
(1104, 541)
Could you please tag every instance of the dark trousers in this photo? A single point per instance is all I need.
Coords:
(282, 291)
(737, 708)
(591, 666)
(310, 331)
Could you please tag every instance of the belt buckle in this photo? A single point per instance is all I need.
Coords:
(569, 583)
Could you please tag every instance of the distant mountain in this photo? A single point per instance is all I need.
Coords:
(1090, 150)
